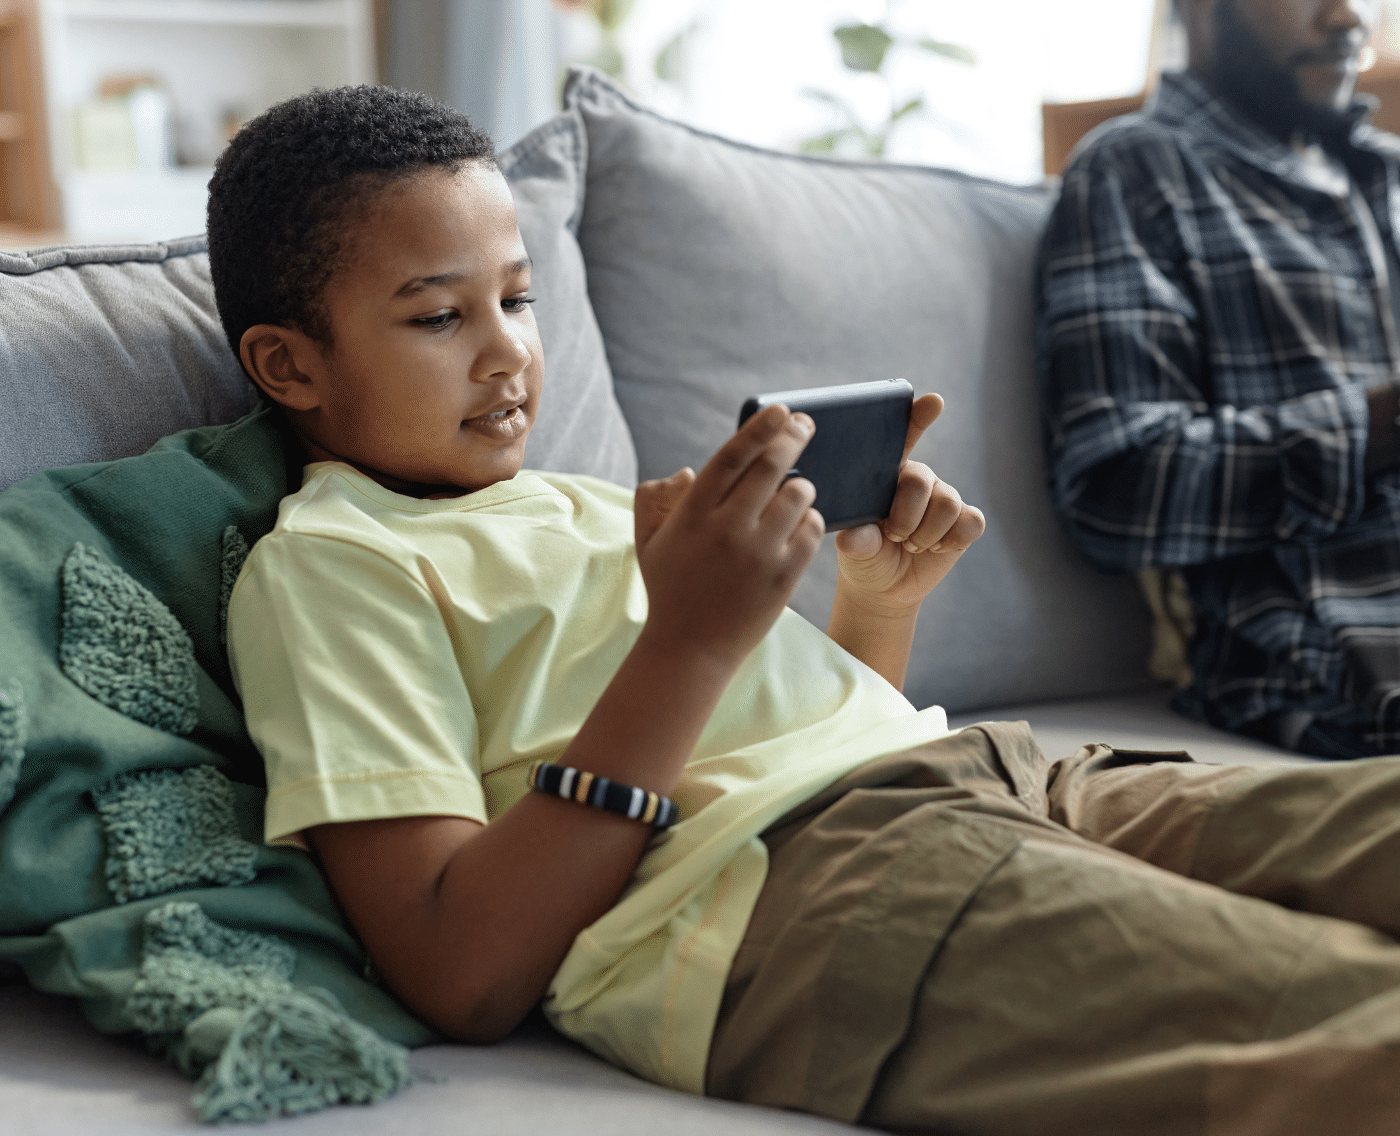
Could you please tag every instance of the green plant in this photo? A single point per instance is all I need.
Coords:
(865, 49)
(609, 14)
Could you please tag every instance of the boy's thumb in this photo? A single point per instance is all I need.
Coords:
(860, 543)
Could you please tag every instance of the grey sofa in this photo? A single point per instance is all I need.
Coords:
(676, 274)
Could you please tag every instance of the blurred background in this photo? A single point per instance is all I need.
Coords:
(113, 111)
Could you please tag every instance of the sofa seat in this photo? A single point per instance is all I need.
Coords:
(59, 1076)
(1139, 720)
(678, 274)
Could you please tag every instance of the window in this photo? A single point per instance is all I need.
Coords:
(741, 67)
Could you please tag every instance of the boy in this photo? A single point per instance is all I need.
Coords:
(426, 622)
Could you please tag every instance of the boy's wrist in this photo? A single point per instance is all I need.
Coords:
(881, 635)
(677, 656)
(873, 605)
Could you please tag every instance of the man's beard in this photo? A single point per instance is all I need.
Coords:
(1266, 92)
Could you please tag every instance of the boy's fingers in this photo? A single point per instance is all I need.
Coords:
(919, 503)
(676, 486)
(748, 469)
(970, 525)
(654, 501)
(788, 509)
(945, 507)
(734, 457)
(923, 414)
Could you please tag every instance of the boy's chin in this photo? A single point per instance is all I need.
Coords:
(473, 483)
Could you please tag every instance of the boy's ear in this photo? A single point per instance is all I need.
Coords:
(282, 361)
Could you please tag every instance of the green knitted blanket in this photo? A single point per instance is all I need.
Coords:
(132, 870)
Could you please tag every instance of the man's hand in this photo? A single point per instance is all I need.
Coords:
(886, 570)
(720, 552)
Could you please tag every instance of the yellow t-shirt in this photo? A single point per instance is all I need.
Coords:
(402, 657)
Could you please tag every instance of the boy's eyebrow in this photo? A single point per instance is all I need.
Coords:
(423, 283)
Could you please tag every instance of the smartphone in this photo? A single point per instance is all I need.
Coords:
(854, 456)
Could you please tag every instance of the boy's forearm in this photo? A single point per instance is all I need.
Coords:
(881, 638)
(473, 948)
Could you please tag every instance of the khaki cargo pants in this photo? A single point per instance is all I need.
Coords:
(965, 938)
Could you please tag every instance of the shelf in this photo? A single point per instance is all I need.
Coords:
(136, 205)
(248, 13)
(14, 238)
(219, 61)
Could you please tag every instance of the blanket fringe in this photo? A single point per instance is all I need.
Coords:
(290, 1055)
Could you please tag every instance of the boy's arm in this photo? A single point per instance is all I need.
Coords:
(468, 922)
(886, 570)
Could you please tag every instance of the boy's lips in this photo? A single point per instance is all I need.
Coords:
(503, 423)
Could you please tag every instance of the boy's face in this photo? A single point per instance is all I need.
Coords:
(433, 379)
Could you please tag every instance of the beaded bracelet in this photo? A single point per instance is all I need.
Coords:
(600, 793)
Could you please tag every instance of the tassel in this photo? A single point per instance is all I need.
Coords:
(289, 1055)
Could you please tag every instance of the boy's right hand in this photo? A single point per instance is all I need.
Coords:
(721, 552)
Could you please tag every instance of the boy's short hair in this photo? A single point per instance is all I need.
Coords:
(285, 185)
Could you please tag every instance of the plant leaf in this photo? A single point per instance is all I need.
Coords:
(835, 102)
(608, 59)
(863, 46)
(954, 51)
(611, 13)
(670, 60)
(823, 143)
(914, 104)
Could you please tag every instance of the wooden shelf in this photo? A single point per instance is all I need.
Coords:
(15, 238)
(28, 196)
(247, 13)
(219, 61)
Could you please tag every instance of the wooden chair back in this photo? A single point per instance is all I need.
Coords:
(1064, 124)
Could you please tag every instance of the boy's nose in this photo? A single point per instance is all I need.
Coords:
(506, 353)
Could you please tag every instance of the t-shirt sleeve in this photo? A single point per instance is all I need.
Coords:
(351, 687)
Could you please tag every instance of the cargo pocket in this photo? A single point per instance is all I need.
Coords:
(835, 991)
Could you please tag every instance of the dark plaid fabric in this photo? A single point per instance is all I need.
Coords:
(1209, 322)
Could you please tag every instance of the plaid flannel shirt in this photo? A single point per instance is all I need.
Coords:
(1209, 322)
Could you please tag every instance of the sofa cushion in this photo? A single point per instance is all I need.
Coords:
(104, 349)
(718, 271)
(132, 869)
(580, 428)
(1142, 720)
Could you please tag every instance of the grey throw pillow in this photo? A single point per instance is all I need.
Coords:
(719, 270)
(580, 428)
(105, 348)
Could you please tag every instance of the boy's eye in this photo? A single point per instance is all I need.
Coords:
(437, 320)
(516, 303)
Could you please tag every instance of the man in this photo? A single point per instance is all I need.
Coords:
(1219, 351)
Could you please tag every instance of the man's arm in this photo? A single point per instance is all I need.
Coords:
(1148, 469)
(469, 922)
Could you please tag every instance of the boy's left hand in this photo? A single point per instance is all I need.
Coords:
(893, 565)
